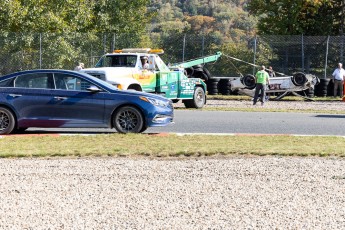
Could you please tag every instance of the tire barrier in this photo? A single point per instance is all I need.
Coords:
(323, 88)
(307, 92)
(224, 87)
(198, 71)
(212, 86)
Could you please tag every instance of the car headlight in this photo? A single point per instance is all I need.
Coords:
(155, 102)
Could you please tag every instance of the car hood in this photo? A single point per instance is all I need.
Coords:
(140, 93)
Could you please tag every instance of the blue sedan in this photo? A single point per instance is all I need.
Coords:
(70, 99)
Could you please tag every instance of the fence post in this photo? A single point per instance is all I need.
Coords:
(104, 43)
(113, 43)
(342, 48)
(254, 59)
(203, 44)
(325, 75)
(302, 53)
(40, 50)
(184, 46)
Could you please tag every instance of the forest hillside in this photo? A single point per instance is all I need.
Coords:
(228, 19)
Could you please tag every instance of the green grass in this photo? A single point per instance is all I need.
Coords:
(135, 145)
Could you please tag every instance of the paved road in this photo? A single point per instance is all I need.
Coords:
(257, 122)
(197, 121)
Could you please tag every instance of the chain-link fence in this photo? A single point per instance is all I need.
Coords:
(311, 54)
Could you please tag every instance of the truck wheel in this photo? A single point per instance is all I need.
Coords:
(198, 100)
(7, 121)
(128, 119)
(135, 87)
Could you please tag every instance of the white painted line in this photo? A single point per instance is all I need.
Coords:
(254, 134)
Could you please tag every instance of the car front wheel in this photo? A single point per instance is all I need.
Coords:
(128, 119)
(7, 121)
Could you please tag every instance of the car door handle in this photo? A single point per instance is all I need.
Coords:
(15, 95)
(60, 98)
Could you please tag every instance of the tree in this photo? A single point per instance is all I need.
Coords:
(291, 17)
(59, 28)
(74, 16)
(45, 15)
(201, 23)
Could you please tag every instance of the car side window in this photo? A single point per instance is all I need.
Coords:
(70, 82)
(7, 83)
(34, 80)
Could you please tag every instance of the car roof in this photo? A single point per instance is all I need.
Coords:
(38, 71)
(107, 86)
(104, 84)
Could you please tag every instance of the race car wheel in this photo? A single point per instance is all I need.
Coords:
(198, 100)
(249, 81)
(7, 121)
(128, 119)
(299, 79)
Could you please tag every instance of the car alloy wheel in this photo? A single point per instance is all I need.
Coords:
(128, 119)
(6, 121)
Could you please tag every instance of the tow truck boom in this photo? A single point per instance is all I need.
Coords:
(197, 61)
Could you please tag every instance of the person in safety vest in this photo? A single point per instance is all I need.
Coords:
(262, 78)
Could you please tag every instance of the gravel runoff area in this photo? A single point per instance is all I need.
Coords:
(299, 105)
(238, 192)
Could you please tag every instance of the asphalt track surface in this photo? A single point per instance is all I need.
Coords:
(231, 122)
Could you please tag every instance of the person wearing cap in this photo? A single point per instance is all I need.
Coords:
(262, 78)
(338, 77)
(79, 67)
(144, 63)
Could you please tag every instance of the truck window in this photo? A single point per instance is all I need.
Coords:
(117, 61)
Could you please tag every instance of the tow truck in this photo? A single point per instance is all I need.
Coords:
(125, 69)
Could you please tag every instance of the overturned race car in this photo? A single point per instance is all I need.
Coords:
(282, 86)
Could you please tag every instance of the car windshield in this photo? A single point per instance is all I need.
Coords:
(117, 61)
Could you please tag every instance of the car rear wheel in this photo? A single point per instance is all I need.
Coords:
(7, 122)
(129, 119)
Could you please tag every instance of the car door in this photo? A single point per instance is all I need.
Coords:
(30, 96)
(75, 105)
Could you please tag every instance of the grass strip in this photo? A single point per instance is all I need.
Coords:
(169, 146)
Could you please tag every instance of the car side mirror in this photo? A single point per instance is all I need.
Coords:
(94, 89)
